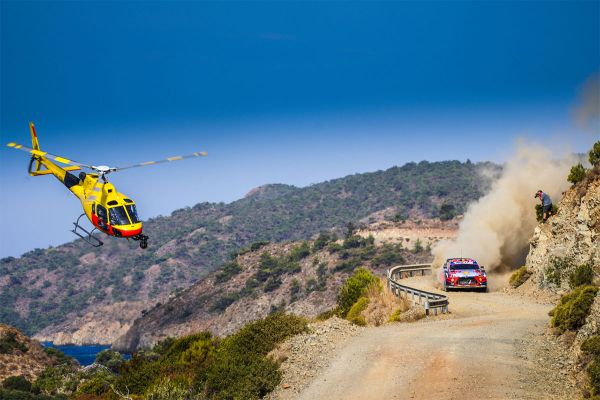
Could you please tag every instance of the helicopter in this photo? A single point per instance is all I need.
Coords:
(108, 210)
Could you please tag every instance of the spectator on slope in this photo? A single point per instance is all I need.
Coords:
(546, 204)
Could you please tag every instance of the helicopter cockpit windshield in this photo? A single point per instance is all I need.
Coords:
(131, 210)
(118, 216)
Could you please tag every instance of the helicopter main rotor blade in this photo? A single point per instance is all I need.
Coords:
(166, 160)
(40, 153)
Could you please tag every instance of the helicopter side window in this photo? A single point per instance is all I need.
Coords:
(131, 210)
(101, 213)
(118, 216)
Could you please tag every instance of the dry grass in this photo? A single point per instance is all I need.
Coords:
(382, 304)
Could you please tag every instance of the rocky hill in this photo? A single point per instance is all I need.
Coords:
(568, 239)
(74, 293)
(302, 278)
(20, 355)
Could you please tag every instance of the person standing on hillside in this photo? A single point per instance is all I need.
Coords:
(546, 204)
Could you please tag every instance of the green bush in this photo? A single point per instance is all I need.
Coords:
(577, 174)
(418, 246)
(553, 273)
(137, 374)
(388, 255)
(519, 277)
(354, 314)
(353, 289)
(573, 309)
(168, 389)
(110, 359)
(447, 211)
(300, 252)
(6, 394)
(228, 271)
(593, 372)
(591, 345)
(97, 383)
(594, 154)
(241, 369)
(9, 343)
(582, 275)
(323, 240)
(17, 383)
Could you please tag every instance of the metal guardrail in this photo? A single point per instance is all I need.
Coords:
(431, 301)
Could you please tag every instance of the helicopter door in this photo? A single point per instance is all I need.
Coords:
(102, 217)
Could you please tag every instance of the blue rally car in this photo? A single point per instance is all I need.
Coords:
(463, 273)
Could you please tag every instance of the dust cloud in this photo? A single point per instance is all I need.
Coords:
(587, 112)
(496, 229)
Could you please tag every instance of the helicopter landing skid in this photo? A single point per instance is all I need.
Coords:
(87, 236)
(143, 240)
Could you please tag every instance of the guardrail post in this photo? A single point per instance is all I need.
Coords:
(427, 307)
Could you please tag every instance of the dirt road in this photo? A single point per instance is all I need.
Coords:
(476, 352)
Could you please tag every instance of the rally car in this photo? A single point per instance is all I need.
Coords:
(463, 273)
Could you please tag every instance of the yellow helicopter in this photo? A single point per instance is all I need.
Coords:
(109, 211)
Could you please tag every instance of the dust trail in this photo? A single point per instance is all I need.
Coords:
(496, 229)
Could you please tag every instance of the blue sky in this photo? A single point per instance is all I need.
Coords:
(276, 92)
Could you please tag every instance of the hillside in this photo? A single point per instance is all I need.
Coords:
(19, 355)
(302, 278)
(74, 293)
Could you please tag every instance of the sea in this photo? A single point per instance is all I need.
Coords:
(84, 354)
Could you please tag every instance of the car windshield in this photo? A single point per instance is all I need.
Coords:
(455, 267)
(132, 213)
(118, 216)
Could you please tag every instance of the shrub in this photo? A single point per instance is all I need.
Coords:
(325, 315)
(168, 389)
(257, 245)
(294, 290)
(17, 383)
(553, 273)
(519, 277)
(241, 369)
(227, 272)
(577, 174)
(9, 342)
(591, 346)
(594, 154)
(593, 372)
(573, 309)
(110, 359)
(323, 240)
(388, 255)
(137, 374)
(300, 252)
(447, 211)
(353, 289)
(417, 247)
(354, 314)
(582, 275)
(96, 384)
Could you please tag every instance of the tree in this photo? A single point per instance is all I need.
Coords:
(595, 154)
(447, 211)
(577, 174)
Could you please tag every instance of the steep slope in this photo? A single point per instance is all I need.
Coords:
(20, 355)
(71, 291)
(569, 239)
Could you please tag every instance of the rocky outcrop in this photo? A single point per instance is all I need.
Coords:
(568, 239)
(20, 355)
